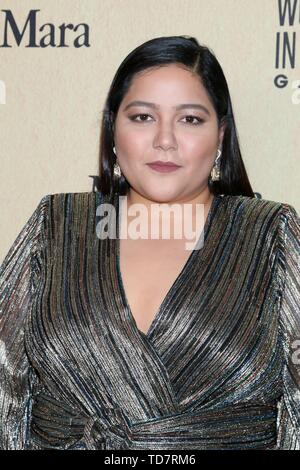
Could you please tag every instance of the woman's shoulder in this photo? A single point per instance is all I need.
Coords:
(69, 205)
(256, 205)
(70, 196)
(71, 200)
(254, 211)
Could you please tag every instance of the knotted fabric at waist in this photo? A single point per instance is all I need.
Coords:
(238, 426)
(232, 427)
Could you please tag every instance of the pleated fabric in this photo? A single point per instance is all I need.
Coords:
(219, 367)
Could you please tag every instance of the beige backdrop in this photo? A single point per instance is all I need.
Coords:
(54, 97)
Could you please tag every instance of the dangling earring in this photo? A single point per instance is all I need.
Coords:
(216, 172)
(117, 169)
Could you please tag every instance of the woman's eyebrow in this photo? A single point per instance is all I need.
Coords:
(180, 106)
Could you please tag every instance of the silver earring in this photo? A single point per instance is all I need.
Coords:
(215, 172)
(117, 169)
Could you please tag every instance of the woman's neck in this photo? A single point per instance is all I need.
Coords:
(189, 215)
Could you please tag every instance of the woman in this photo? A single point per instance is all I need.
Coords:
(116, 343)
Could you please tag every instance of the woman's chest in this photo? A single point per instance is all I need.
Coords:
(149, 268)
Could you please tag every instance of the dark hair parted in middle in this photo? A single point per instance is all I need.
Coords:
(187, 52)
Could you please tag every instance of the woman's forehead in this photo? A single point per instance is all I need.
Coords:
(168, 86)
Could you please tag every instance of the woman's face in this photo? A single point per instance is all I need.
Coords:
(187, 136)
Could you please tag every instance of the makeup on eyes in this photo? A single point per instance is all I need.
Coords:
(197, 119)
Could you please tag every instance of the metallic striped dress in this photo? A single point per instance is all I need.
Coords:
(219, 367)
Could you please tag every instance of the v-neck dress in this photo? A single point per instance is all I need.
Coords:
(219, 367)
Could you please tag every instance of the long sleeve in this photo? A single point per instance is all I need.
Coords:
(288, 419)
(17, 377)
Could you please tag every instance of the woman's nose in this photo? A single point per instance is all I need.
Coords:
(165, 137)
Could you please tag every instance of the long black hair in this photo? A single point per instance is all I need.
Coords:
(199, 59)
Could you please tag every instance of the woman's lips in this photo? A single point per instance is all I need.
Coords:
(161, 168)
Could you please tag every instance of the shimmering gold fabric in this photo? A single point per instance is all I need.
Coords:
(216, 370)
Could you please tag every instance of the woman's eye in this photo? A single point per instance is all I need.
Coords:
(198, 120)
(133, 118)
